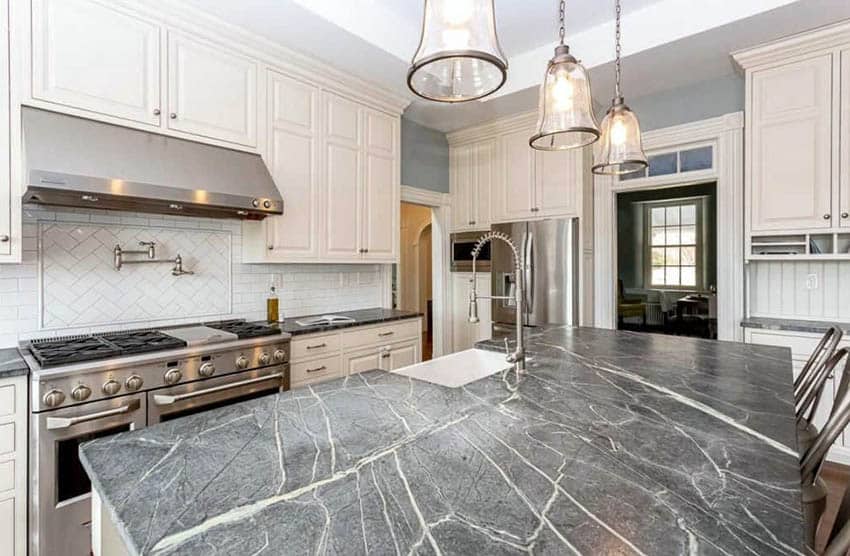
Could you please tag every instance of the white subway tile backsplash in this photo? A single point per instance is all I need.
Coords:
(66, 283)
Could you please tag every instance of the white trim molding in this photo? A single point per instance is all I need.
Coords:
(419, 196)
(725, 134)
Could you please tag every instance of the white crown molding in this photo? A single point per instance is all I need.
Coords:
(803, 44)
(180, 16)
(419, 196)
(492, 128)
(692, 132)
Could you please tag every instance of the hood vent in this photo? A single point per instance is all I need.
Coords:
(74, 162)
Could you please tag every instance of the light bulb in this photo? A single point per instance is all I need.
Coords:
(456, 39)
(562, 92)
(458, 12)
(619, 133)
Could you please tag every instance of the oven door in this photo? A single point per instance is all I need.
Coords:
(172, 402)
(60, 508)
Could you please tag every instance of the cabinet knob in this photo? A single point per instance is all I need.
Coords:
(271, 247)
(826, 217)
(173, 115)
(157, 112)
(4, 238)
(845, 215)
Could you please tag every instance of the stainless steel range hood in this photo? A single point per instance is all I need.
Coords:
(75, 162)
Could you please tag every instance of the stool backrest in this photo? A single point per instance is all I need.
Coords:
(825, 348)
(810, 396)
(813, 458)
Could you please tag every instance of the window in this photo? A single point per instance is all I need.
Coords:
(676, 162)
(673, 240)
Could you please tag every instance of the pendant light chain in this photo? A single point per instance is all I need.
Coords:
(562, 8)
(618, 69)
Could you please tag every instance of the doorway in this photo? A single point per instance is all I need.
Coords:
(666, 278)
(414, 287)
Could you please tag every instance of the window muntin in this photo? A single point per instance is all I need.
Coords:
(672, 232)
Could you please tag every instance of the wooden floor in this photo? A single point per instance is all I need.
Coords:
(837, 478)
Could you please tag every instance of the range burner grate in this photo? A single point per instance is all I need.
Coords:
(50, 352)
(244, 329)
(143, 341)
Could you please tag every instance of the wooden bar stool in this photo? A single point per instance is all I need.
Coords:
(809, 384)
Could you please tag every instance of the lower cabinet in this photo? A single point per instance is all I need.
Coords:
(465, 333)
(326, 356)
(13, 466)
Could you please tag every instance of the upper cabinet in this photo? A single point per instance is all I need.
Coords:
(471, 179)
(797, 134)
(91, 56)
(211, 93)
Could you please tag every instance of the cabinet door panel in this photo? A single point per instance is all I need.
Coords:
(791, 177)
(844, 142)
(342, 202)
(359, 362)
(342, 118)
(401, 355)
(380, 134)
(485, 157)
(380, 207)
(212, 93)
(465, 333)
(5, 154)
(461, 187)
(292, 157)
(558, 180)
(515, 188)
(89, 56)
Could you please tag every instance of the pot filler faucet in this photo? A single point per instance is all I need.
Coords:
(517, 358)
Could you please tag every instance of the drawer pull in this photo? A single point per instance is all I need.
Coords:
(390, 333)
(317, 346)
(317, 369)
(385, 355)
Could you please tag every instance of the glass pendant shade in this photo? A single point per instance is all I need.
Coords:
(619, 150)
(566, 119)
(459, 58)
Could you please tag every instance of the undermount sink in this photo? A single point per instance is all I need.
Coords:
(457, 369)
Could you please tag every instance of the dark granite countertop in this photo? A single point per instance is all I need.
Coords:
(813, 326)
(11, 363)
(361, 316)
(616, 442)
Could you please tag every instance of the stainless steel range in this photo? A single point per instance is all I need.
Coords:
(86, 387)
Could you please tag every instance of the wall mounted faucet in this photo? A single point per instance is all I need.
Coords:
(118, 255)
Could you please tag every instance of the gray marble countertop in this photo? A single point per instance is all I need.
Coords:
(616, 442)
(362, 317)
(11, 363)
(813, 326)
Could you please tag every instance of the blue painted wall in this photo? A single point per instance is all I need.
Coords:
(424, 157)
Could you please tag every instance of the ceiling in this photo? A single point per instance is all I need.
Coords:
(666, 43)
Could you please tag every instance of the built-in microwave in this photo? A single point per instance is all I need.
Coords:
(462, 245)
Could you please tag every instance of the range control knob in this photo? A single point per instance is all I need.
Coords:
(279, 356)
(207, 369)
(133, 383)
(111, 387)
(265, 358)
(267, 204)
(53, 398)
(81, 392)
(241, 362)
(172, 376)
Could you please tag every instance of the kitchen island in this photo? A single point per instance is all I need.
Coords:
(616, 442)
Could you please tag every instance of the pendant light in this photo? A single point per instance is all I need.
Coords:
(566, 119)
(459, 58)
(620, 150)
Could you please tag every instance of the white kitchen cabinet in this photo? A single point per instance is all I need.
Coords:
(381, 188)
(212, 92)
(514, 198)
(90, 55)
(361, 361)
(8, 202)
(557, 183)
(471, 180)
(844, 140)
(342, 238)
(13, 466)
(465, 333)
(293, 162)
(790, 172)
(401, 355)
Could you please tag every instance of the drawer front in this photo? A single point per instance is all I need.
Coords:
(8, 400)
(7, 475)
(7, 438)
(389, 333)
(311, 346)
(317, 370)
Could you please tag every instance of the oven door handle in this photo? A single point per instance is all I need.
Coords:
(54, 423)
(164, 399)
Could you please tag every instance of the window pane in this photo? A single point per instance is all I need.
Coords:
(658, 276)
(658, 216)
(689, 276)
(672, 216)
(672, 257)
(696, 159)
(689, 256)
(672, 278)
(673, 236)
(689, 235)
(663, 164)
(658, 256)
(689, 214)
(658, 236)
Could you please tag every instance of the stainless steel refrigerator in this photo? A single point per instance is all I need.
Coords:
(550, 250)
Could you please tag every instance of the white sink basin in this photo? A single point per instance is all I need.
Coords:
(457, 369)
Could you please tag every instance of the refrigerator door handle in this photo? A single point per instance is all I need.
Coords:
(528, 270)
